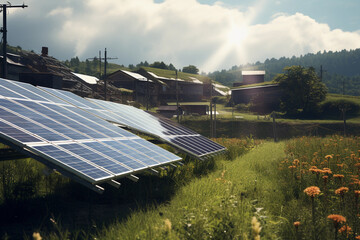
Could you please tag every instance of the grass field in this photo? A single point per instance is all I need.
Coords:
(303, 188)
(262, 192)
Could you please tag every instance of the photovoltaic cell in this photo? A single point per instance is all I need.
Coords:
(70, 138)
(146, 122)
(73, 163)
(172, 133)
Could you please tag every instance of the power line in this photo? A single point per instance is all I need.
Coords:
(105, 58)
(4, 7)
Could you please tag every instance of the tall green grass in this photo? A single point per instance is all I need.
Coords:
(219, 205)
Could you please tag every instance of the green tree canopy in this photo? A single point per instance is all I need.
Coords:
(191, 69)
(302, 90)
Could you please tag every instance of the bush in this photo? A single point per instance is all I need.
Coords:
(333, 108)
(242, 107)
(220, 100)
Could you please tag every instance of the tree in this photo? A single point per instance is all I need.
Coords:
(191, 69)
(172, 67)
(302, 90)
(160, 65)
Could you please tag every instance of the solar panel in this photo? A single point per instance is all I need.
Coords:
(70, 139)
(170, 132)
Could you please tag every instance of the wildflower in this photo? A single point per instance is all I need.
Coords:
(337, 219)
(340, 165)
(328, 157)
(167, 225)
(256, 229)
(339, 176)
(341, 191)
(296, 162)
(357, 193)
(327, 171)
(312, 191)
(292, 167)
(357, 165)
(36, 236)
(325, 178)
(345, 229)
(357, 237)
(297, 224)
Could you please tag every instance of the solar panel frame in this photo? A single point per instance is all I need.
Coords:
(163, 128)
(43, 127)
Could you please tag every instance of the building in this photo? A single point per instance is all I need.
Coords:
(264, 99)
(145, 90)
(195, 109)
(44, 70)
(252, 77)
(185, 91)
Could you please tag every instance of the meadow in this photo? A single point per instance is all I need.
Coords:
(302, 188)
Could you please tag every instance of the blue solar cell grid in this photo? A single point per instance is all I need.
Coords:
(70, 138)
(173, 133)
(76, 164)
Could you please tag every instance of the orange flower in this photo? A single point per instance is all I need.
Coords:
(312, 191)
(325, 178)
(341, 191)
(357, 237)
(327, 170)
(292, 167)
(345, 229)
(337, 219)
(328, 156)
(340, 176)
(340, 165)
(296, 162)
(357, 193)
(297, 224)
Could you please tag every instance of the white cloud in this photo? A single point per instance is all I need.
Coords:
(179, 32)
(62, 12)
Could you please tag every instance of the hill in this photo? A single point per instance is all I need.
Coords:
(341, 70)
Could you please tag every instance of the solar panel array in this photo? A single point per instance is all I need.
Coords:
(164, 129)
(71, 139)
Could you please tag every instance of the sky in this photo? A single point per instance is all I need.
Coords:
(212, 35)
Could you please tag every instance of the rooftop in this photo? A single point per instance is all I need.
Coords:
(253, 73)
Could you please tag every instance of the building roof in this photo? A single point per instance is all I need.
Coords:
(253, 73)
(9, 61)
(136, 76)
(255, 87)
(165, 78)
(87, 78)
(167, 108)
(195, 80)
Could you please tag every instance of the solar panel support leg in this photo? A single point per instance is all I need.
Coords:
(153, 171)
(173, 165)
(114, 184)
(133, 178)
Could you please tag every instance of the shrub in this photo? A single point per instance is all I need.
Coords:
(220, 100)
(333, 108)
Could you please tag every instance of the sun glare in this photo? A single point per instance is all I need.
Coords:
(236, 35)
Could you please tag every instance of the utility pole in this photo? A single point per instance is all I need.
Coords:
(147, 94)
(4, 8)
(321, 72)
(105, 66)
(211, 112)
(177, 97)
